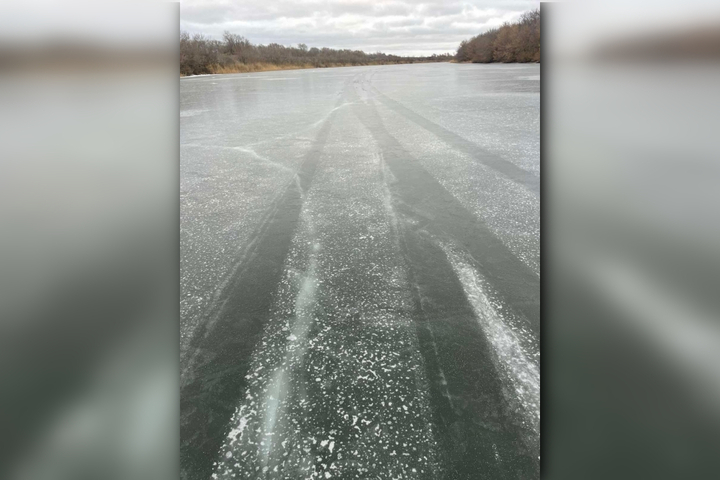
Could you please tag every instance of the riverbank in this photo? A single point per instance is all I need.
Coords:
(269, 67)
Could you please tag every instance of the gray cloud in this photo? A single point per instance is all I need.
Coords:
(403, 27)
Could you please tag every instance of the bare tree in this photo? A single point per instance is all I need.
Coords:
(199, 54)
(512, 42)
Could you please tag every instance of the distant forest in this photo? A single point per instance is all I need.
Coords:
(512, 42)
(235, 54)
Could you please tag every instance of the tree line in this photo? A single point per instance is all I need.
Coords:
(235, 53)
(512, 42)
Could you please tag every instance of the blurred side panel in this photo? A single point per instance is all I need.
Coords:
(631, 236)
(89, 245)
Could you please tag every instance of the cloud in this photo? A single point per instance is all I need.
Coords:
(402, 27)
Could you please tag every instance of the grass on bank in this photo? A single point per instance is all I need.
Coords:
(216, 69)
(255, 67)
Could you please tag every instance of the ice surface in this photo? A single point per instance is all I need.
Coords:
(360, 261)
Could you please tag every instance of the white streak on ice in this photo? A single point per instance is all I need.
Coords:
(512, 362)
(257, 156)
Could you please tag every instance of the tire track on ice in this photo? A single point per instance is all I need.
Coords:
(337, 387)
(515, 352)
(213, 372)
(422, 199)
(475, 423)
(528, 179)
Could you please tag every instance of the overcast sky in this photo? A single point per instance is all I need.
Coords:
(401, 27)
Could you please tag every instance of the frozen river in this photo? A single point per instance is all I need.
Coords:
(360, 266)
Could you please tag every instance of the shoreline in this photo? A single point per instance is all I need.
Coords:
(266, 67)
(258, 68)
